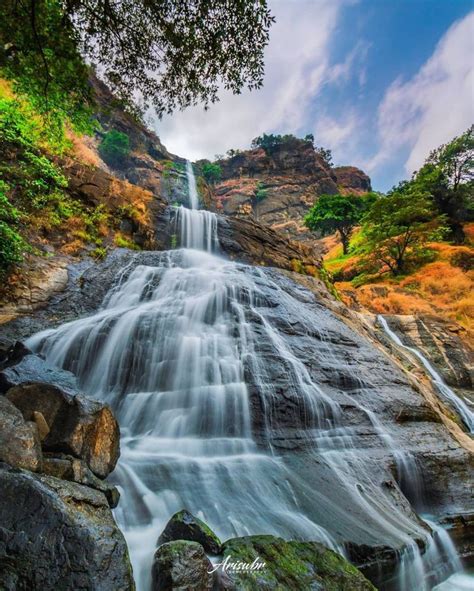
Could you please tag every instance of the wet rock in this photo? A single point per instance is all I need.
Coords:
(279, 564)
(419, 413)
(442, 343)
(58, 535)
(69, 468)
(461, 531)
(19, 440)
(32, 368)
(184, 526)
(87, 429)
(252, 242)
(13, 354)
(181, 565)
(372, 561)
(41, 424)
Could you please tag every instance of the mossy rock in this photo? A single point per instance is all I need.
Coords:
(181, 565)
(184, 526)
(291, 565)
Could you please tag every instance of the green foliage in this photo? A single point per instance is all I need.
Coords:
(260, 192)
(448, 175)
(12, 244)
(325, 154)
(99, 253)
(270, 141)
(337, 213)
(232, 153)
(211, 172)
(172, 55)
(397, 228)
(114, 148)
(39, 51)
(123, 242)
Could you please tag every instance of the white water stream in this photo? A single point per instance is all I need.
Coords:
(466, 414)
(173, 350)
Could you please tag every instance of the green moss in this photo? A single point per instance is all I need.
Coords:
(123, 242)
(293, 565)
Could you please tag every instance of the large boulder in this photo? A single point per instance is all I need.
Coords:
(69, 468)
(32, 368)
(181, 565)
(19, 440)
(278, 564)
(184, 526)
(84, 428)
(56, 534)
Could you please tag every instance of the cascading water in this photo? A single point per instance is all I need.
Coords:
(195, 354)
(466, 414)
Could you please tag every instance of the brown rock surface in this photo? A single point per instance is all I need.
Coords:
(84, 428)
(19, 440)
(291, 176)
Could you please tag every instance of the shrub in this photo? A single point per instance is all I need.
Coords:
(211, 172)
(260, 192)
(12, 244)
(115, 148)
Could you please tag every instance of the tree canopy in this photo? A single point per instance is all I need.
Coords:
(166, 53)
(337, 213)
(211, 172)
(398, 226)
(448, 175)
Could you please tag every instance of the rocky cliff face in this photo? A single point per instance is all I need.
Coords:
(56, 450)
(278, 187)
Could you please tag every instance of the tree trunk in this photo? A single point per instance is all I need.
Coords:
(458, 235)
(345, 243)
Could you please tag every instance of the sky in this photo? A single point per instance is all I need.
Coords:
(379, 82)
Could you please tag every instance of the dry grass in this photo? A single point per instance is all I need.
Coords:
(440, 287)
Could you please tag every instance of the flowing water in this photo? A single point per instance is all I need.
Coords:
(193, 353)
(466, 414)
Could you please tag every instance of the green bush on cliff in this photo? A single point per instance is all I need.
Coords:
(211, 172)
(115, 148)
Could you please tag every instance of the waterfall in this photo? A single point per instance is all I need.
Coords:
(218, 413)
(192, 187)
(466, 414)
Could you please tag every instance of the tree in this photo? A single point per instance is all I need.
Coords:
(269, 141)
(211, 172)
(448, 175)
(171, 53)
(398, 226)
(115, 147)
(336, 213)
(325, 154)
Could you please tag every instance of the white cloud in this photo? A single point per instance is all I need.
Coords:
(336, 134)
(435, 105)
(297, 65)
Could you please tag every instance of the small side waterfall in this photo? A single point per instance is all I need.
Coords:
(466, 414)
(200, 357)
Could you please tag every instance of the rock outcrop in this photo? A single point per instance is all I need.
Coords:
(247, 563)
(19, 439)
(278, 186)
(184, 526)
(181, 565)
(85, 428)
(56, 534)
(56, 527)
(291, 565)
(441, 342)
